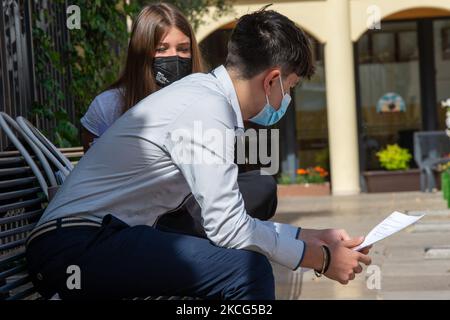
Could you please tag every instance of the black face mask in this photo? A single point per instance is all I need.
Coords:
(170, 69)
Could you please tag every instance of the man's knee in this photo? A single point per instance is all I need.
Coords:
(255, 279)
(261, 278)
(261, 267)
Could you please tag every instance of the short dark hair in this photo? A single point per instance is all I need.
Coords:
(265, 39)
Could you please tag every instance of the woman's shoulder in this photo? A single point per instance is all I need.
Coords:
(107, 106)
(110, 96)
(103, 111)
(109, 103)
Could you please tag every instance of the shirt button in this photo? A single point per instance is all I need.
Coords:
(39, 276)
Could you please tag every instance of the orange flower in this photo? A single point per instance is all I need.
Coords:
(302, 172)
(319, 169)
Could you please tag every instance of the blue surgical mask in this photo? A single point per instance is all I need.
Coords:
(268, 115)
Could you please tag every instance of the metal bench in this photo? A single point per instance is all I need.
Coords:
(22, 202)
(26, 182)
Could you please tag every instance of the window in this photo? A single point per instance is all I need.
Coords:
(446, 43)
(407, 46)
(388, 66)
(384, 47)
(389, 46)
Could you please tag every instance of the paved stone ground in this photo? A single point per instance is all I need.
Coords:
(414, 263)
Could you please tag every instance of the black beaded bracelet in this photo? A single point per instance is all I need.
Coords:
(328, 260)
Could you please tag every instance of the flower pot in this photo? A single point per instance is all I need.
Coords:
(304, 190)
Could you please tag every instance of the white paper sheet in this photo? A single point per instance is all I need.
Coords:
(392, 224)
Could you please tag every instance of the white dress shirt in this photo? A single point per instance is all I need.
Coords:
(147, 163)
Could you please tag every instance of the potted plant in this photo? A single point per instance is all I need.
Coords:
(444, 169)
(307, 182)
(397, 175)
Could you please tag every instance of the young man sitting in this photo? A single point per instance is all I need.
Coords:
(152, 160)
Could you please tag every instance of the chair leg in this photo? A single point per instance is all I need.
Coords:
(422, 180)
(430, 179)
(362, 183)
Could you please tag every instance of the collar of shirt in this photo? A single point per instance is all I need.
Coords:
(223, 77)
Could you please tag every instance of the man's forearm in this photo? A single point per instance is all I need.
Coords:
(313, 257)
(308, 234)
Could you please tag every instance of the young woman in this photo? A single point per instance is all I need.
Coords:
(162, 50)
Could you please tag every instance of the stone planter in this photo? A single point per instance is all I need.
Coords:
(392, 181)
(303, 190)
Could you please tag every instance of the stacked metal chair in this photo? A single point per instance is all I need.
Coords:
(430, 149)
(25, 180)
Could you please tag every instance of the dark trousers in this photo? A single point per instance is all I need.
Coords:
(117, 261)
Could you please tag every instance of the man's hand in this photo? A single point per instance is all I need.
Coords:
(327, 237)
(345, 262)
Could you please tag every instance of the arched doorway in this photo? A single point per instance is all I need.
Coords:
(408, 61)
(304, 129)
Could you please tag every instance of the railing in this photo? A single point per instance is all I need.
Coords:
(20, 86)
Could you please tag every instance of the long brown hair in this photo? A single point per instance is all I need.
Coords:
(153, 22)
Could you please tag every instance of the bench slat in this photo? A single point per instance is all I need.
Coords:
(62, 150)
(72, 149)
(74, 154)
(17, 182)
(14, 284)
(17, 256)
(18, 230)
(12, 171)
(13, 271)
(23, 294)
(9, 153)
(12, 245)
(22, 216)
(19, 193)
(11, 160)
(22, 204)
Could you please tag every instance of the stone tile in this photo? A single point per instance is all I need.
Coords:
(406, 271)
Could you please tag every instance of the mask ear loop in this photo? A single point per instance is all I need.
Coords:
(267, 99)
(282, 89)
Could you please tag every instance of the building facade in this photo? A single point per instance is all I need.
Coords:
(383, 67)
